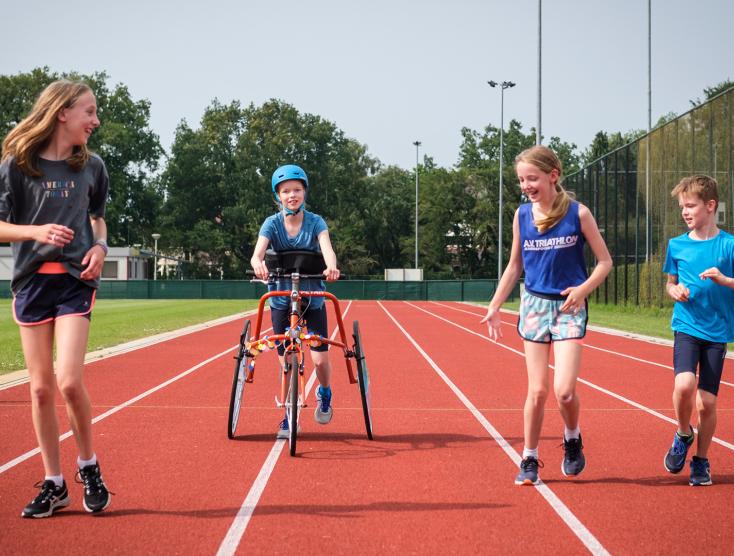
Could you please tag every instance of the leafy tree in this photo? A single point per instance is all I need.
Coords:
(220, 174)
(711, 92)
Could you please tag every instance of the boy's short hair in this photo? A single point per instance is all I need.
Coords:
(704, 187)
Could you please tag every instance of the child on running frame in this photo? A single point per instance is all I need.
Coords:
(52, 202)
(548, 240)
(700, 268)
(293, 227)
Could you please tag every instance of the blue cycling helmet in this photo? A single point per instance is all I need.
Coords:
(285, 173)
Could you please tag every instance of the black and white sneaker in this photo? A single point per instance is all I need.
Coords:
(96, 495)
(573, 457)
(50, 499)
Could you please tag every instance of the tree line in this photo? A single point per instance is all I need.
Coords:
(209, 195)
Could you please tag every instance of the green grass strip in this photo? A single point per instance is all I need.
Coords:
(122, 320)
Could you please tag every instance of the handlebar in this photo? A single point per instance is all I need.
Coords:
(281, 273)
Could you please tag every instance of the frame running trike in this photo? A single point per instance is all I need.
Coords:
(295, 266)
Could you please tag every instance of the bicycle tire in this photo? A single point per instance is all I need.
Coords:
(363, 378)
(292, 403)
(242, 361)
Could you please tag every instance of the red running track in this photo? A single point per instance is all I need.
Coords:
(447, 406)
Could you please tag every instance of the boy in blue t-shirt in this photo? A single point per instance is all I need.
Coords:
(291, 228)
(700, 266)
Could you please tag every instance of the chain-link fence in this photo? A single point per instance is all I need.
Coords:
(633, 206)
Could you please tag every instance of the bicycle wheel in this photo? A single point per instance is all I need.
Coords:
(292, 402)
(242, 361)
(363, 377)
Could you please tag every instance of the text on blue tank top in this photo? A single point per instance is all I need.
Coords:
(554, 259)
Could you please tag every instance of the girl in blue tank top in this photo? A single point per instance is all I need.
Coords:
(549, 234)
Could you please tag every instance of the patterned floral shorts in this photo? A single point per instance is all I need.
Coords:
(542, 321)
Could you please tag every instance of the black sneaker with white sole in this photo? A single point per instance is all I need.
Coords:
(50, 499)
(96, 495)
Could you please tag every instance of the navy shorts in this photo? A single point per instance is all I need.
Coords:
(690, 353)
(315, 322)
(47, 297)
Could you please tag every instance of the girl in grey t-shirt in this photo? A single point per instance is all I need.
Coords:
(52, 198)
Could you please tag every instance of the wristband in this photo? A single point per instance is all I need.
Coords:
(103, 244)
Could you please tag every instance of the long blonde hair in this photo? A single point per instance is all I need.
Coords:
(34, 132)
(546, 161)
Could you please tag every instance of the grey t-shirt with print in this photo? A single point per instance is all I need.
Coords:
(61, 195)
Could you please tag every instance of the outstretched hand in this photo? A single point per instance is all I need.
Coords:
(494, 322)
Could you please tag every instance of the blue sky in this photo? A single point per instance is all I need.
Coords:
(388, 72)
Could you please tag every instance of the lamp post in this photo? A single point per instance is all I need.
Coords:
(417, 146)
(538, 135)
(155, 237)
(504, 85)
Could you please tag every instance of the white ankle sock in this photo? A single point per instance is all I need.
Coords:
(528, 453)
(57, 479)
(82, 463)
(571, 434)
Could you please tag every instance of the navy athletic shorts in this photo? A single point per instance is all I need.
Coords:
(51, 294)
(315, 322)
(690, 353)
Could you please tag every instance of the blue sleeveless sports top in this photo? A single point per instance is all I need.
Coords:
(554, 259)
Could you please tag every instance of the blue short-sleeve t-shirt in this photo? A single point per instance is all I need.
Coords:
(709, 312)
(307, 238)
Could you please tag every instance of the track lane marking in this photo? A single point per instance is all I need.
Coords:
(242, 519)
(12, 463)
(573, 523)
(627, 401)
(586, 344)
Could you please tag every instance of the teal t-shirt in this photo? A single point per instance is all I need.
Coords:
(709, 312)
(307, 239)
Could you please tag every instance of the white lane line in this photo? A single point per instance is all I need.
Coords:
(578, 528)
(237, 530)
(627, 401)
(586, 344)
(12, 463)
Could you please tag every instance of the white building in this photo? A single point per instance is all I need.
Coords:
(121, 263)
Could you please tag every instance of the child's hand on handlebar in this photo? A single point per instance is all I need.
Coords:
(261, 270)
(331, 274)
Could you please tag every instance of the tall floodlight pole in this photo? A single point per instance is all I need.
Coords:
(538, 135)
(155, 237)
(504, 85)
(649, 129)
(417, 145)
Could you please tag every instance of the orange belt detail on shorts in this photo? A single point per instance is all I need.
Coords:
(52, 268)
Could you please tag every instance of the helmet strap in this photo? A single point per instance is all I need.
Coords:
(289, 212)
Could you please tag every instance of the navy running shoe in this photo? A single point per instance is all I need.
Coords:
(50, 499)
(675, 459)
(700, 472)
(528, 474)
(324, 411)
(573, 457)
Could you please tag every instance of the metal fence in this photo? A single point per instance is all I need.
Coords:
(628, 190)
